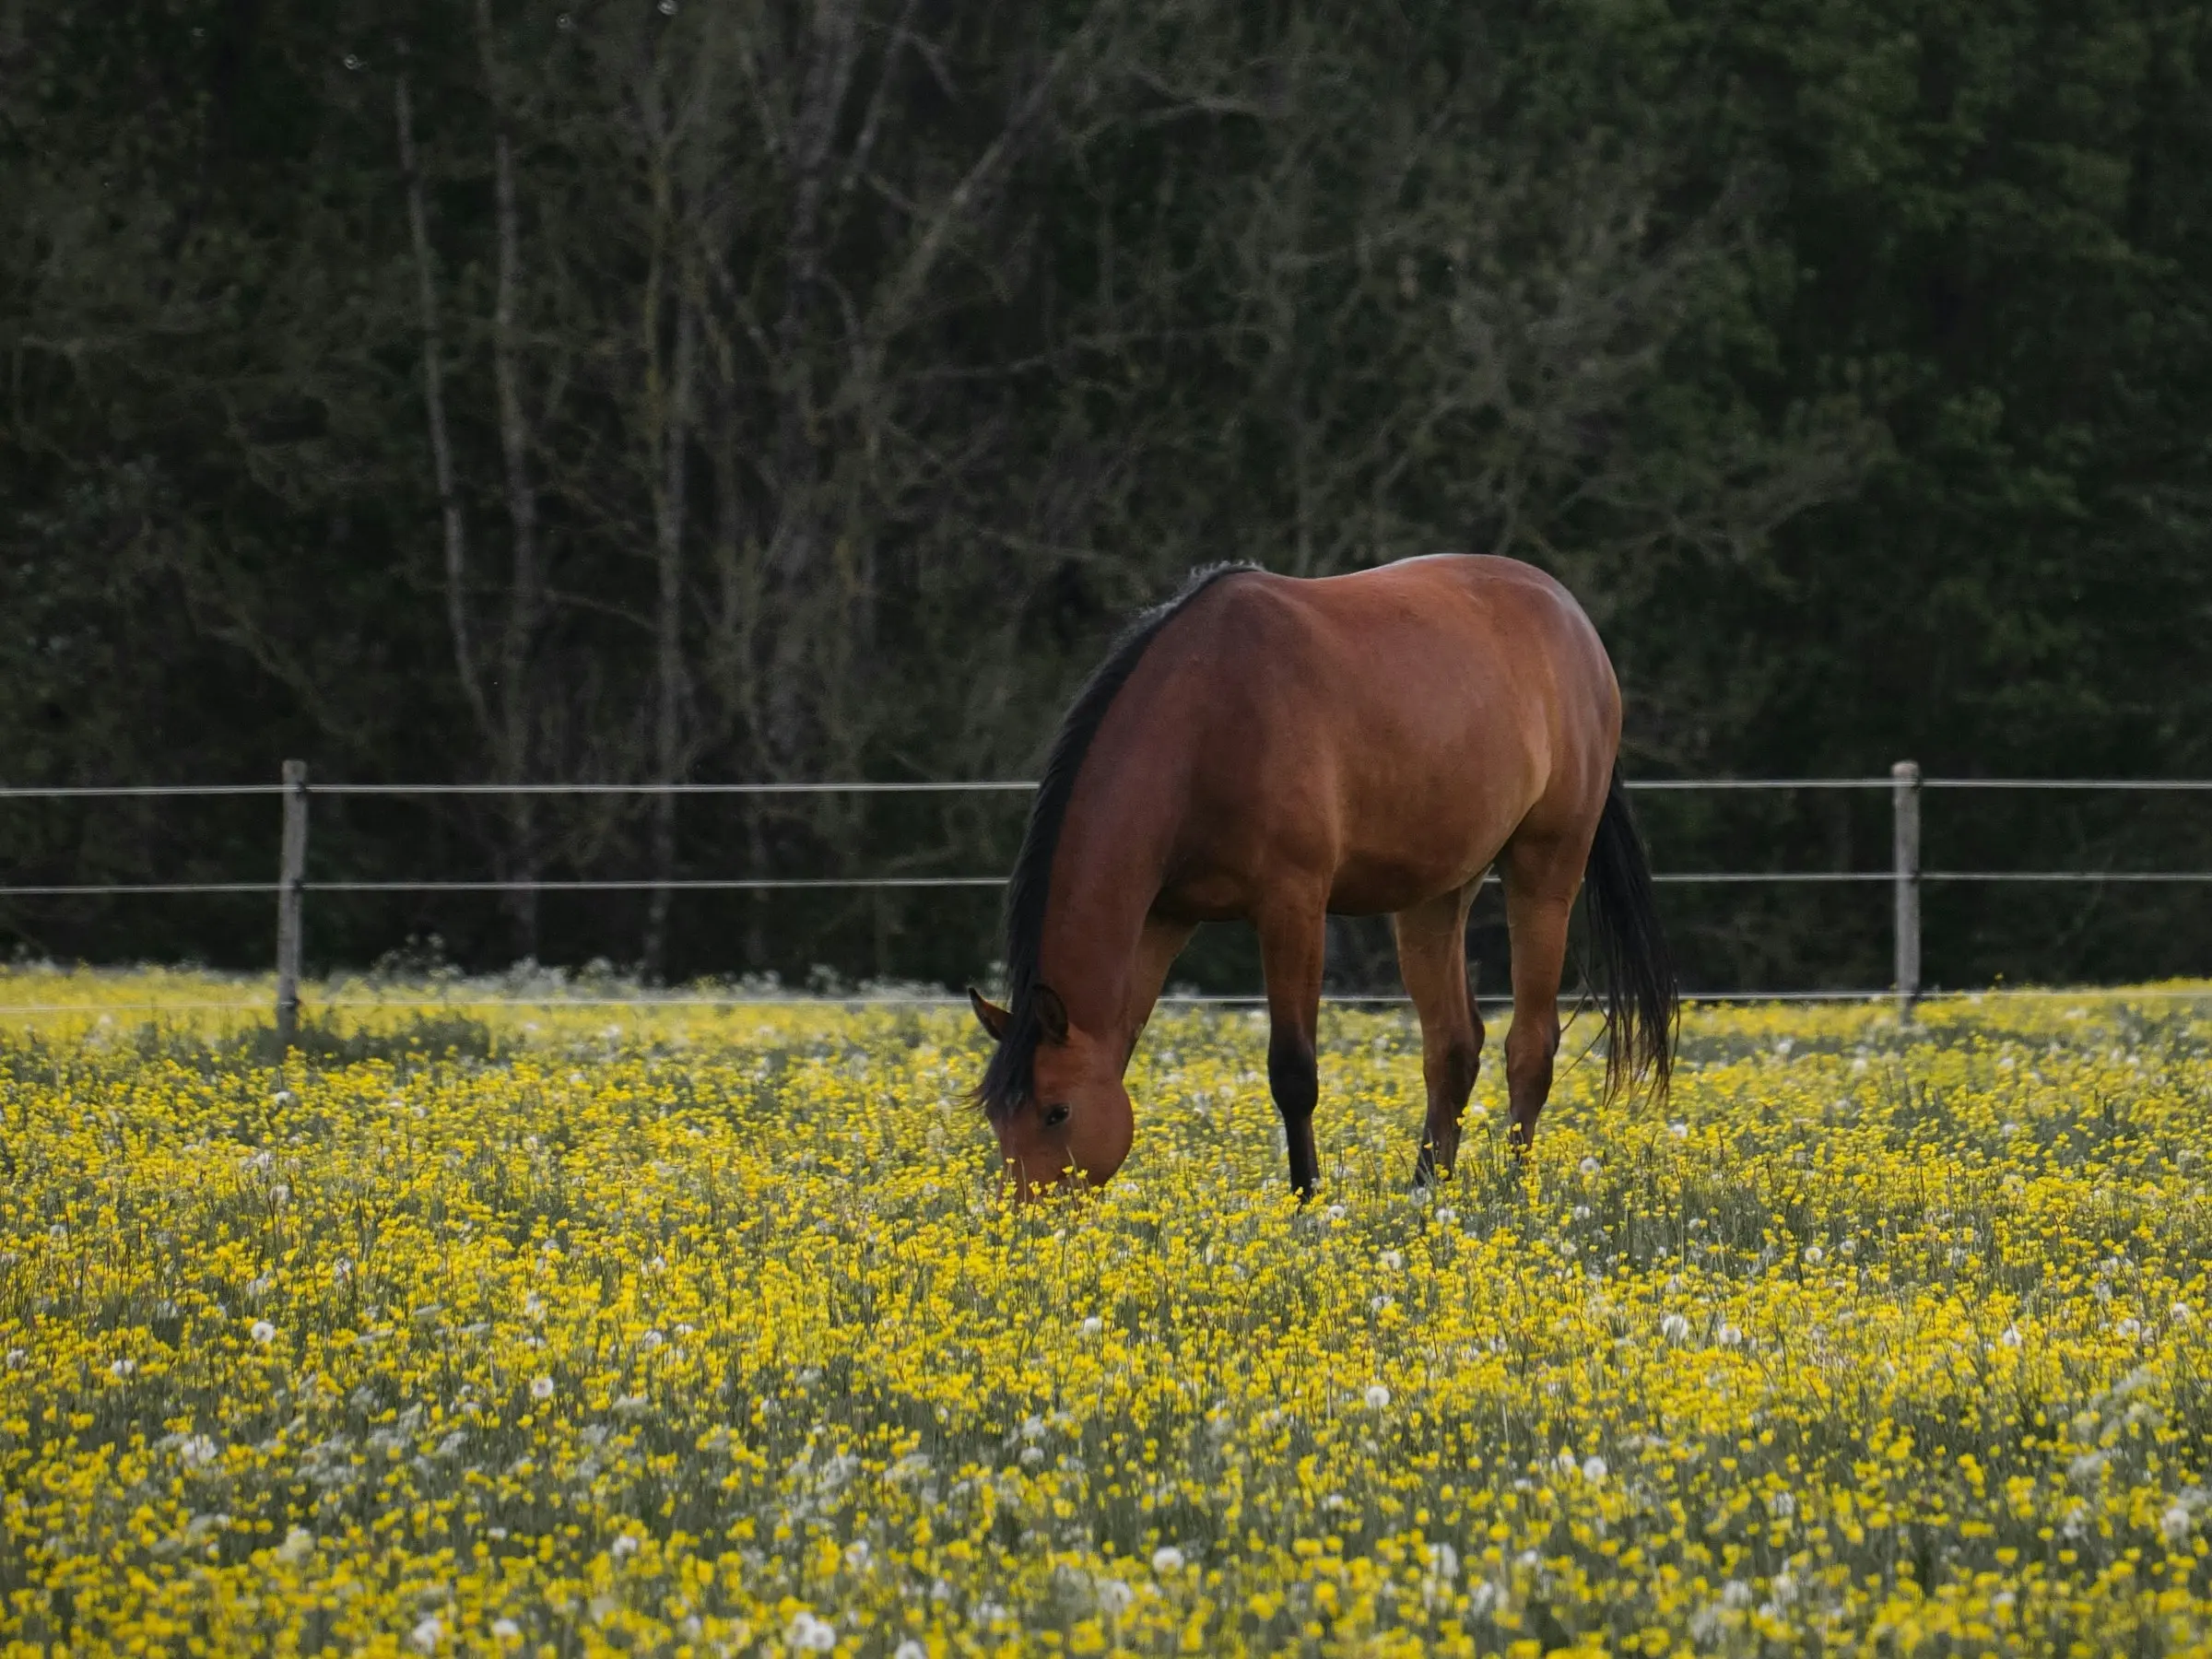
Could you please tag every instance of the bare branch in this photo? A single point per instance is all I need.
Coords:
(893, 311)
(856, 163)
(433, 395)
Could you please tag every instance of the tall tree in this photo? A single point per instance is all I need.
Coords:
(773, 391)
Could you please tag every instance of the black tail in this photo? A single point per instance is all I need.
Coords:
(1642, 1003)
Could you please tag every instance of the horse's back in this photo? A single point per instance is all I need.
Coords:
(1428, 656)
(1396, 725)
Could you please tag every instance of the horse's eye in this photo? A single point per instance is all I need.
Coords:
(1056, 1115)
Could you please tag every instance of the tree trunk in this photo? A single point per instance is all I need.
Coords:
(517, 713)
(433, 399)
(669, 642)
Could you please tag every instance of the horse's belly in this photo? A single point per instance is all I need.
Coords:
(1373, 886)
(1375, 839)
(1405, 833)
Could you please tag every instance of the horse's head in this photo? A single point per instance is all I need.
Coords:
(1054, 1094)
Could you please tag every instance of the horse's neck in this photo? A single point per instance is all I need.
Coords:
(1108, 869)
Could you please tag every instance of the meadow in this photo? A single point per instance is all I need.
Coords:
(680, 1329)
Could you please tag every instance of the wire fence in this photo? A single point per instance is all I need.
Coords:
(1905, 876)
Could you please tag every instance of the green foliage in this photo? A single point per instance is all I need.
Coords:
(1850, 360)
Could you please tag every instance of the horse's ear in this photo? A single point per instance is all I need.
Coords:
(1052, 1014)
(992, 1017)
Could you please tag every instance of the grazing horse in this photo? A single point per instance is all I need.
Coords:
(1272, 749)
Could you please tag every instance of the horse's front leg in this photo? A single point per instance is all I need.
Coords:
(1292, 942)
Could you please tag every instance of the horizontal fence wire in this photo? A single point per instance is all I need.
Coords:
(980, 786)
(865, 883)
(104, 792)
(2152, 875)
(646, 884)
(977, 786)
(93, 890)
(2137, 785)
(769, 884)
(647, 1001)
(101, 792)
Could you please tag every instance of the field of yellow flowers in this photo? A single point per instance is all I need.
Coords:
(679, 1329)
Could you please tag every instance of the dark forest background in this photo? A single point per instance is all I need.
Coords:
(746, 390)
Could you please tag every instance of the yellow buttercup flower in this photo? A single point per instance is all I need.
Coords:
(707, 1329)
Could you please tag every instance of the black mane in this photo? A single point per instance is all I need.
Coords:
(1006, 1080)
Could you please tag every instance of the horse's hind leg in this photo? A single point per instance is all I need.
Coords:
(1433, 959)
(1541, 879)
(1292, 939)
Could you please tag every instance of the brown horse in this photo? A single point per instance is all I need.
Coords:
(1275, 749)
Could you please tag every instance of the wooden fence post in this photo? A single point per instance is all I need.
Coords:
(291, 877)
(1904, 806)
